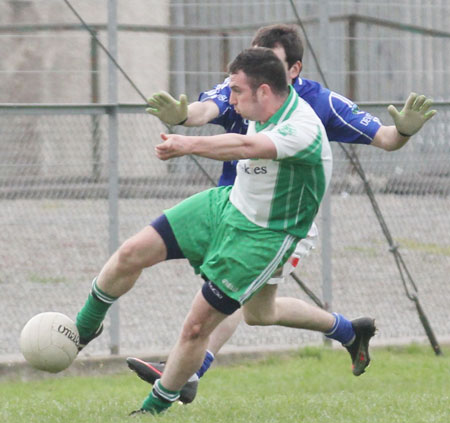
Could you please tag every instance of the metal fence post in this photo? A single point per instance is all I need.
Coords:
(95, 98)
(177, 82)
(113, 164)
(325, 215)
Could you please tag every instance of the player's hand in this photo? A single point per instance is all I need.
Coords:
(173, 145)
(414, 114)
(168, 109)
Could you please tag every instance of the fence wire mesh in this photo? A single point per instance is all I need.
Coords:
(54, 238)
(54, 165)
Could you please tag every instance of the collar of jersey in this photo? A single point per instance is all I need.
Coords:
(283, 113)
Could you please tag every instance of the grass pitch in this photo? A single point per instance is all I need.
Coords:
(408, 385)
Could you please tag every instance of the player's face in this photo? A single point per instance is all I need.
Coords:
(242, 97)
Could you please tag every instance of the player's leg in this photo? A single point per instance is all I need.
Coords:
(189, 350)
(121, 271)
(264, 308)
(270, 310)
(226, 329)
(218, 339)
(235, 251)
(224, 332)
(117, 277)
(167, 238)
(209, 308)
(151, 371)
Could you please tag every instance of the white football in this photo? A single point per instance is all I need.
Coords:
(49, 341)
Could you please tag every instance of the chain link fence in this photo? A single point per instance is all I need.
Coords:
(55, 179)
(54, 237)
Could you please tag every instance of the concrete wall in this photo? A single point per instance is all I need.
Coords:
(54, 66)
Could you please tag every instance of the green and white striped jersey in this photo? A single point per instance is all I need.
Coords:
(285, 193)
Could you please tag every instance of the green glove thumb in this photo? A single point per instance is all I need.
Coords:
(183, 101)
(393, 112)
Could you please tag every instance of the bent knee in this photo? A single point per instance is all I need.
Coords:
(257, 319)
(144, 249)
(130, 257)
(192, 332)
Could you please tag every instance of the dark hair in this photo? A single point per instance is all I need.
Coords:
(261, 66)
(282, 35)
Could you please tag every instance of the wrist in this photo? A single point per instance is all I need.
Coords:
(404, 135)
(182, 122)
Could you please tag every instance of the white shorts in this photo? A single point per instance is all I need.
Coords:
(302, 250)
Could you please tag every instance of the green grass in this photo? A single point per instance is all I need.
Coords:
(45, 279)
(422, 247)
(314, 385)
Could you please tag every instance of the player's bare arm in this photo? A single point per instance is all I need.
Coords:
(201, 112)
(177, 112)
(415, 113)
(218, 147)
(387, 138)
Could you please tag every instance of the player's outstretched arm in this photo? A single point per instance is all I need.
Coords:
(218, 147)
(177, 112)
(201, 112)
(415, 113)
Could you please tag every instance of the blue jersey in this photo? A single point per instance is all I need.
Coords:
(342, 119)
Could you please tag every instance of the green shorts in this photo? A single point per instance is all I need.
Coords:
(224, 246)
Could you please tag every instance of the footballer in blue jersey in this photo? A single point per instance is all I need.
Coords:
(342, 119)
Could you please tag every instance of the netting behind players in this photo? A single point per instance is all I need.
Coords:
(54, 164)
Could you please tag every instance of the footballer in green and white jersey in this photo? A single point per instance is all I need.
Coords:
(284, 194)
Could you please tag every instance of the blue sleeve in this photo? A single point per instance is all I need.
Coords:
(220, 94)
(346, 123)
(229, 120)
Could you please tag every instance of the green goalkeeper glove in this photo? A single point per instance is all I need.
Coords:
(413, 115)
(168, 109)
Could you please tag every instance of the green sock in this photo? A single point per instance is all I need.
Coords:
(157, 404)
(93, 312)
